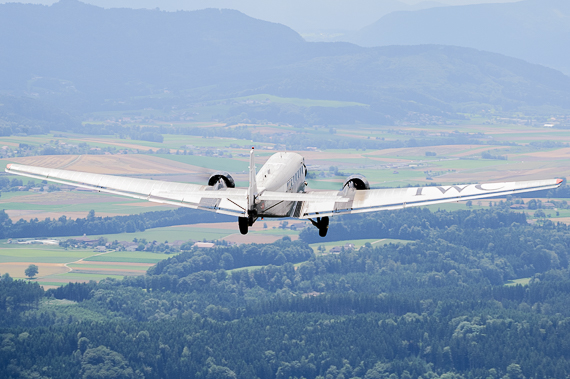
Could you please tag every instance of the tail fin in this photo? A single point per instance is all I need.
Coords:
(252, 189)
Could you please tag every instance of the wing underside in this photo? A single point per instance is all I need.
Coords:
(230, 201)
(398, 198)
(233, 201)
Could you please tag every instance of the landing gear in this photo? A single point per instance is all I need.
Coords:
(243, 225)
(322, 224)
(245, 222)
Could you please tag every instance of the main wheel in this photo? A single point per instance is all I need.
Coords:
(243, 223)
(323, 226)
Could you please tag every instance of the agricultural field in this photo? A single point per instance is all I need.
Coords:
(58, 266)
(72, 204)
(513, 149)
(395, 166)
(325, 248)
(202, 114)
(227, 231)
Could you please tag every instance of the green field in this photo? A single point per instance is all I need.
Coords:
(522, 281)
(117, 263)
(205, 111)
(299, 102)
(46, 256)
(169, 233)
(176, 142)
(116, 266)
(276, 231)
(357, 243)
(469, 164)
(211, 163)
(448, 167)
(40, 254)
(100, 202)
(80, 277)
(56, 254)
(128, 257)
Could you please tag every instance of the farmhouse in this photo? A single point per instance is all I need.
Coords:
(204, 245)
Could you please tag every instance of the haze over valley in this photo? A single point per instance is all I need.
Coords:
(310, 18)
(532, 30)
(406, 97)
(122, 58)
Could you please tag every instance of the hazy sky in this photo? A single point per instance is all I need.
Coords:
(304, 16)
(182, 4)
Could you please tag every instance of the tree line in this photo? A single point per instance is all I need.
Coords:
(92, 224)
(434, 305)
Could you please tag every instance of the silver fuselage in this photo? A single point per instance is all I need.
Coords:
(283, 172)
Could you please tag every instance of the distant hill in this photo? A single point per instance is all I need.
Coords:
(301, 15)
(84, 58)
(537, 31)
(30, 116)
(419, 78)
(70, 48)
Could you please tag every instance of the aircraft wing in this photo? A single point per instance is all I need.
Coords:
(233, 201)
(230, 201)
(353, 201)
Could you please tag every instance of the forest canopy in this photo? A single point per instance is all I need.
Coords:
(435, 305)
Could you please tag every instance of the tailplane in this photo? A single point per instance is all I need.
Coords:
(252, 189)
(251, 213)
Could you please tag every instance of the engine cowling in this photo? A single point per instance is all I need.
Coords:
(223, 175)
(358, 182)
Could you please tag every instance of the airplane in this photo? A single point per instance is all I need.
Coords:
(278, 190)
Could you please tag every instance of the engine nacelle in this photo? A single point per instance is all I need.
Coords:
(358, 182)
(225, 176)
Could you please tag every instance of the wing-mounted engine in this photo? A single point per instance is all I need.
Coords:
(358, 182)
(221, 179)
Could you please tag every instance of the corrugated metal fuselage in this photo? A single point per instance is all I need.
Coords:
(283, 172)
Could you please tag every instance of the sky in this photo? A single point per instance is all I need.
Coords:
(310, 18)
(181, 4)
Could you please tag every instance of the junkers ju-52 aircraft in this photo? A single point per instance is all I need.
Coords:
(278, 190)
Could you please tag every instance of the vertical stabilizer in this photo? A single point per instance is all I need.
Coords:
(252, 189)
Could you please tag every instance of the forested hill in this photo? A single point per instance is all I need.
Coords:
(436, 307)
(537, 31)
(73, 48)
(31, 116)
(83, 57)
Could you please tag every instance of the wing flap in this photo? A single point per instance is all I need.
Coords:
(398, 198)
(233, 201)
(230, 201)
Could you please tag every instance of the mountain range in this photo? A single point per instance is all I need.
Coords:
(85, 58)
(301, 15)
(537, 31)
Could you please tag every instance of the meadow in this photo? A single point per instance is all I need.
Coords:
(325, 248)
(442, 164)
(58, 266)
